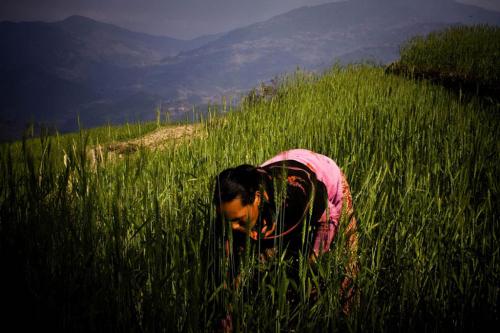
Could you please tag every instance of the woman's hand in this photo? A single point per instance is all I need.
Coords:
(226, 324)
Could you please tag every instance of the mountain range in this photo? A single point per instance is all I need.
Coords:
(54, 73)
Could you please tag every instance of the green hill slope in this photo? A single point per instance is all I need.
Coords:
(461, 57)
(130, 244)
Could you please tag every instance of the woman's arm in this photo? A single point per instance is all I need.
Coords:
(352, 268)
(348, 290)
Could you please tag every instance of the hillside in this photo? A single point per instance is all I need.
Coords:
(54, 72)
(314, 38)
(465, 59)
(123, 76)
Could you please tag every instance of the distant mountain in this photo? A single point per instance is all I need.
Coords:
(314, 38)
(87, 39)
(54, 72)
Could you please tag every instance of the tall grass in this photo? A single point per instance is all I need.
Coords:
(130, 245)
(467, 52)
(463, 58)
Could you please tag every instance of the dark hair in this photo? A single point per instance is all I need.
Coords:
(242, 181)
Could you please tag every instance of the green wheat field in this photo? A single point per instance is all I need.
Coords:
(128, 244)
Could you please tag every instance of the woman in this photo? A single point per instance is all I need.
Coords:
(294, 200)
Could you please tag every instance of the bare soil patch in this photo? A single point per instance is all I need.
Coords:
(158, 139)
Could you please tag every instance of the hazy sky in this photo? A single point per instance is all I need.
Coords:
(174, 18)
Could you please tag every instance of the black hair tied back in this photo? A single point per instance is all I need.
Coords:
(242, 181)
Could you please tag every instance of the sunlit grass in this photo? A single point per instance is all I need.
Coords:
(467, 52)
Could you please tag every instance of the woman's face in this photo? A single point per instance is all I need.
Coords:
(242, 218)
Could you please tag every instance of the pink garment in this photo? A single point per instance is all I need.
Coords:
(328, 173)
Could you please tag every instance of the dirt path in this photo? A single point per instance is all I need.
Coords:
(158, 139)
